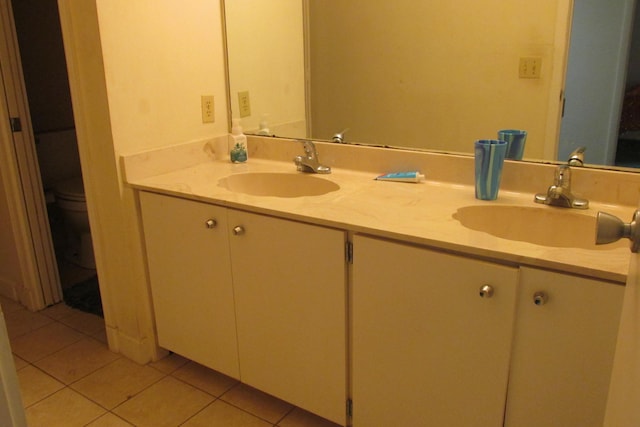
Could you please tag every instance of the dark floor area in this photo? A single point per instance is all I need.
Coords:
(79, 285)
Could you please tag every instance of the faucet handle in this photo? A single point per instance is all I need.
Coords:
(309, 148)
(563, 177)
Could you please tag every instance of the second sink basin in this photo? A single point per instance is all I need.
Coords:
(544, 226)
(277, 184)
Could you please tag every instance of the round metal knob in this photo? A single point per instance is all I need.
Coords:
(238, 230)
(486, 291)
(540, 298)
(211, 223)
(610, 228)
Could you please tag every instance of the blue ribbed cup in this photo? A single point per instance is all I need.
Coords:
(515, 140)
(489, 156)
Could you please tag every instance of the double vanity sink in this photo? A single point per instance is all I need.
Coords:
(539, 225)
(445, 216)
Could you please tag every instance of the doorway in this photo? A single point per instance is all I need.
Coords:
(44, 70)
(597, 72)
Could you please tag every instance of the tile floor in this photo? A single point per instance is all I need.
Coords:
(69, 377)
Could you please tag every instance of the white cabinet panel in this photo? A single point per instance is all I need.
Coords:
(189, 268)
(427, 349)
(290, 294)
(563, 350)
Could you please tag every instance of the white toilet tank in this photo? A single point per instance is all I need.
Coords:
(70, 199)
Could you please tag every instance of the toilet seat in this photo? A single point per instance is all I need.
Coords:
(72, 189)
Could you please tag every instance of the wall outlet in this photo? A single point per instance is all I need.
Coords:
(530, 67)
(208, 109)
(244, 103)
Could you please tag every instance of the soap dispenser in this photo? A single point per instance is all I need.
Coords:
(237, 143)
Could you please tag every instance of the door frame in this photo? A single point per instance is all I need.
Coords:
(40, 280)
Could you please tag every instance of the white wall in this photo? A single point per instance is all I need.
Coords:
(160, 56)
(137, 71)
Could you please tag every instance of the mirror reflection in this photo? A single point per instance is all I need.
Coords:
(431, 75)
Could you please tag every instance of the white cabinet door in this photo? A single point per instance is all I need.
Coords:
(428, 350)
(290, 293)
(190, 273)
(563, 350)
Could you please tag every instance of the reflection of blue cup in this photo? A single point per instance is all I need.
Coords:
(489, 155)
(515, 140)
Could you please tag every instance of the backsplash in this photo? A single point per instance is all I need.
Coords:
(601, 185)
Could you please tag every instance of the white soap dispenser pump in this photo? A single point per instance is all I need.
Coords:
(237, 143)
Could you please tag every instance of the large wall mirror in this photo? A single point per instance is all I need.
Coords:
(435, 75)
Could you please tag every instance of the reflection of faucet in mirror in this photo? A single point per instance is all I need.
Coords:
(310, 162)
(576, 158)
(339, 137)
(559, 194)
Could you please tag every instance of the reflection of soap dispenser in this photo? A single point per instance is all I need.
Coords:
(264, 126)
(237, 143)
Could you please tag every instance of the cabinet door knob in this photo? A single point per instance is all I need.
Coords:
(238, 230)
(486, 291)
(540, 298)
(211, 223)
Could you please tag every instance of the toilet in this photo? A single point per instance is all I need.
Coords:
(69, 197)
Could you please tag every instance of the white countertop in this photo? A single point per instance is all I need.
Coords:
(420, 213)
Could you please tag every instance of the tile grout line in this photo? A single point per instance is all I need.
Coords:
(170, 371)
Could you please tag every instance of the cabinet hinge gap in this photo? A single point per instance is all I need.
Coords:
(349, 408)
(349, 252)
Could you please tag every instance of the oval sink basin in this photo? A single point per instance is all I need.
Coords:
(546, 226)
(276, 184)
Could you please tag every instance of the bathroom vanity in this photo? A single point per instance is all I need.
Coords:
(372, 296)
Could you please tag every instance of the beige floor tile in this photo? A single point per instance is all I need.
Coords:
(101, 335)
(77, 360)
(9, 305)
(21, 322)
(117, 382)
(35, 385)
(57, 311)
(109, 420)
(221, 414)
(258, 403)
(168, 402)
(19, 362)
(301, 418)
(170, 363)
(66, 408)
(44, 341)
(84, 322)
(205, 379)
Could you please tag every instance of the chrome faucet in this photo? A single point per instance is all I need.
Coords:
(559, 194)
(309, 162)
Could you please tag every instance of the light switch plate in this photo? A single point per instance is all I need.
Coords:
(208, 109)
(530, 67)
(244, 103)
